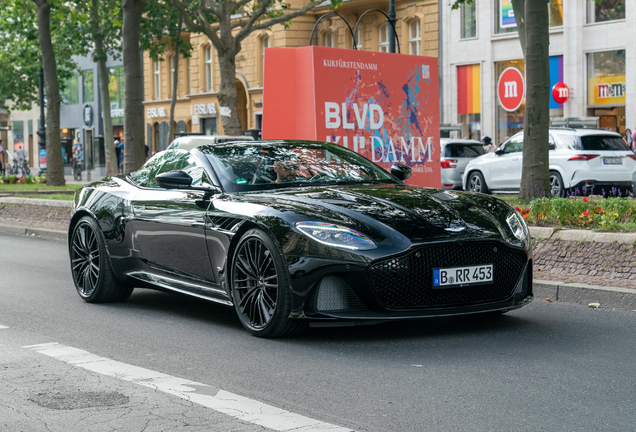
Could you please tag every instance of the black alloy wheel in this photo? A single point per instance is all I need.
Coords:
(556, 184)
(476, 182)
(94, 279)
(260, 287)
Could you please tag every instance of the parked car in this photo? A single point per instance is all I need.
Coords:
(456, 154)
(189, 142)
(590, 160)
(290, 233)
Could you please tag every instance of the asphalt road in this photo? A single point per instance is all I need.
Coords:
(548, 366)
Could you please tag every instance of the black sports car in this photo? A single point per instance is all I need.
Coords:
(292, 232)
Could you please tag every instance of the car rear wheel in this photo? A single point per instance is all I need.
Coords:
(476, 182)
(261, 287)
(94, 279)
(556, 184)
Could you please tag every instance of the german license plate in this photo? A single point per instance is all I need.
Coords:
(612, 161)
(460, 276)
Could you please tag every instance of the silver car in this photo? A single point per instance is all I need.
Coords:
(456, 153)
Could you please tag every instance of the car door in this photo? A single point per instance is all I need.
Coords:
(169, 225)
(505, 168)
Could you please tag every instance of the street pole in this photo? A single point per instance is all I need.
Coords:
(42, 129)
(392, 21)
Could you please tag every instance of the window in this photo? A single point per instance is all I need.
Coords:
(415, 39)
(116, 93)
(606, 78)
(457, 150)
(514, 145)
(384, 37)
(208, 68)
(359, 38)
(265, 44)
(556, 13)
(469, 20)
(171, 62)
(70, 96)
(508, 123)
(605, 10)
(329, 40)
(157, 81)
(504, 17)
(170, 160)
(88, 91)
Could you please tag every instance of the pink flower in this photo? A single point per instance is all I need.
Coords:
(585, 213)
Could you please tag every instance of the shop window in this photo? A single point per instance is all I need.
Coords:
(415, 38)
(469, 100)
(208, 68)
(556, 13)
(469, 20)
(384, 38)
(116, 94)
(70, 96)
(605, 10)
(329, 39)
(88, 90)
(504, 17)
(208, 126)
(157, 78)
(606, 78)
(508, 123)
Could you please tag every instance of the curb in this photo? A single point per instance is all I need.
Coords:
(547, 233)
(36, 201)
(43, 233)
(623, 298)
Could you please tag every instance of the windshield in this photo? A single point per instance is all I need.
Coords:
(603, 142)
(270, 165)
(463, 150)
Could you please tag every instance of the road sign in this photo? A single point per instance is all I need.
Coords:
(560, 92)
(511, 89)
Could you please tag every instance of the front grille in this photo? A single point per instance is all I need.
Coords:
(406, 282)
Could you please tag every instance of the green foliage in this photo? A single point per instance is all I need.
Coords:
(20, 55)
(160, 28)
(609, 214)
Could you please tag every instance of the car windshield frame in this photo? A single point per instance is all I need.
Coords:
(259, 165)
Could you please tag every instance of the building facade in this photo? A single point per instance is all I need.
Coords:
(197, 109)
(592, 51)
(81, 111)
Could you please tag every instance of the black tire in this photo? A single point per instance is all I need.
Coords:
(260, 286)
(476, 182)
(94, 279)
(556, 184)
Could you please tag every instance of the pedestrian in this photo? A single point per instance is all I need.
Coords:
(628, 137)
(488, 145)
(2, 158)
(121, 155)
(634, 140)
(118, 154)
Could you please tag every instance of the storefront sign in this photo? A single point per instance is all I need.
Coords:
(560, 92)
(117, 112)
(155, 112)
(506, 14)
(380, 105)
(607, 90)
(205, 109)
(511, 89)
(88, 115)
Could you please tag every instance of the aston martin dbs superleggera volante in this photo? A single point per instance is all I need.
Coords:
(292, 233)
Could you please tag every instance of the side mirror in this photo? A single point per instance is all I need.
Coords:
(499, 151)
(402, 172)
(174, 180)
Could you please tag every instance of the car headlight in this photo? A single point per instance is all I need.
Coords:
(518, 226)
(336, 235)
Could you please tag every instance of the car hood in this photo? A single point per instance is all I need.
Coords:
(420, 214)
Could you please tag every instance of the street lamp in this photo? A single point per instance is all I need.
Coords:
(42, 129)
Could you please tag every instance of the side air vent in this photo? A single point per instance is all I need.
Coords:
(334, 294)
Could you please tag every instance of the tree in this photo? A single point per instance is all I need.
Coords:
(533, 26)
(134, 157)
(227, 24)
(104, 31)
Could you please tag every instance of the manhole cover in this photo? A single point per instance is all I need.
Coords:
(78, 400)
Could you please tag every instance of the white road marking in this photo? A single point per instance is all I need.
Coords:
(3, 327)
(234, 405)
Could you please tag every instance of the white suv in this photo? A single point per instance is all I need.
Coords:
(596, 160)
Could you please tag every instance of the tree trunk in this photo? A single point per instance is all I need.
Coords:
(54, 163)
(535, 175)
(134, 121)
(175, 83)
(227, 94)
(518, 6)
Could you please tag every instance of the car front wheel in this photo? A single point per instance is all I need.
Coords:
(261, 287)
(94, 279)
(476, 182)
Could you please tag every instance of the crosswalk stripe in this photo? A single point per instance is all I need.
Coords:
(234, 405)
